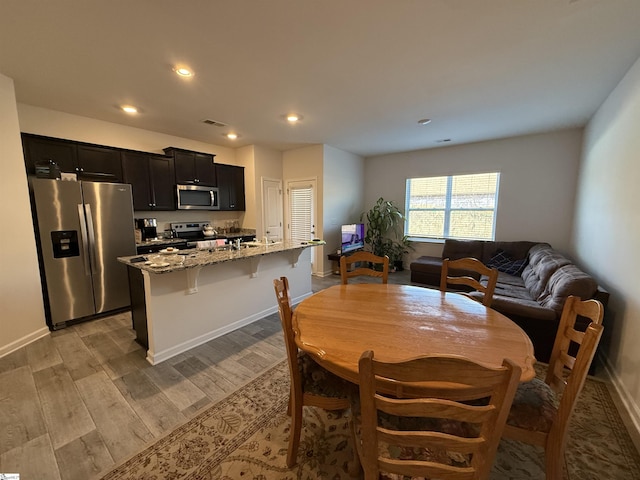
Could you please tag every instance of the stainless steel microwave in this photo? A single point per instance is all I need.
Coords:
(197, 197)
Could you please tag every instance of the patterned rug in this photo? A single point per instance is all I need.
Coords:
(245, 437)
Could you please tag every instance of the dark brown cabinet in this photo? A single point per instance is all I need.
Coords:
(152, 180)
(193, 168)
(100, 164)
(231, 187)
(89, 162)
(42, 149)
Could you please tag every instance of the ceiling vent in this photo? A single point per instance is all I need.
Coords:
(214, 123)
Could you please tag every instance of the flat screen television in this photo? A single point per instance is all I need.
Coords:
(352, 237)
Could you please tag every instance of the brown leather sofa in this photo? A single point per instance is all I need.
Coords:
(533, 283)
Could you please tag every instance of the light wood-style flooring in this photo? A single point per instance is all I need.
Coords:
(83, 399)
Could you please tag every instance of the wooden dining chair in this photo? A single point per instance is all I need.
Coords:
(433, 434)
(474, 265)
(541, 411)
(363, 257)
(311, 384)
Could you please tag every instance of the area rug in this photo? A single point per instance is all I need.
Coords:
(245, 437)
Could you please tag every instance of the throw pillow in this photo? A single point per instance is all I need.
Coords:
(504, 263)
(515, 267)
(500, 258)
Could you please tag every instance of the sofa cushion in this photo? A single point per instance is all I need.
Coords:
(521, 307)
(514, 250)
(456, 249)
(565, 281)
(513, 291)
(543, 261)
(506, 279)
(427, 264)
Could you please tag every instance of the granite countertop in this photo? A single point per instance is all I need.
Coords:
(160, 241)
(193, 258)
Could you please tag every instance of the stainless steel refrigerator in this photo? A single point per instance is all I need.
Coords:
(81, 229)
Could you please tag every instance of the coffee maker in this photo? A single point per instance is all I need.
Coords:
(148, 227)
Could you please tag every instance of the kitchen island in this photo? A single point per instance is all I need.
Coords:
(182, 299)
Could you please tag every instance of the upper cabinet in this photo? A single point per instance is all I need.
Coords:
(101, 164)
(152, 180)
(193, 168)
(231, 187)
(89, 162)
(42, 149)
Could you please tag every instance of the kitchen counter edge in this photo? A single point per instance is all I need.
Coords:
(193, 258)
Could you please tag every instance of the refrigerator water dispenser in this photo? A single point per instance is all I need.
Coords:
(65, 243)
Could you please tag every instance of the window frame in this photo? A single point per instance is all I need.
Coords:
(448, 209)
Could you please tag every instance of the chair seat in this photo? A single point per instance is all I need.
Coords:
(319, 381)
(534, 407)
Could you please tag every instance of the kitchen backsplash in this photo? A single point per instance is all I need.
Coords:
(217, 219)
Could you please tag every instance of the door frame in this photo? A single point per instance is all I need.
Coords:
(316, 253)
(264, 206)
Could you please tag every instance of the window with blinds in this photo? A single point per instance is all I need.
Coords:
(456, 206)
(301, 213)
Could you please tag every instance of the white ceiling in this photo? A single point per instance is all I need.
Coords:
(361, 72)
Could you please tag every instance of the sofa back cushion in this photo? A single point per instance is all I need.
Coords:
(456, 249)
(543, 262)
(514, 250)
(565, 281)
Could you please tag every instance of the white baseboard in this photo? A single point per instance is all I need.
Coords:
(156, 357)
(628, 402)
(21, 342)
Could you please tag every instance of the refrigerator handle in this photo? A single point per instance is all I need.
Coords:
(85, 240)
(92, 237)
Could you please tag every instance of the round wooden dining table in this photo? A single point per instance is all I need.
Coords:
(398, 322)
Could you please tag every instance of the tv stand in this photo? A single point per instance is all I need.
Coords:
(335, 261)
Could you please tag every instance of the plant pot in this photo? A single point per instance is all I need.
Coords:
(397, 264)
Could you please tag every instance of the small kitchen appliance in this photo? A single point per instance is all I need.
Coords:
(148, 227)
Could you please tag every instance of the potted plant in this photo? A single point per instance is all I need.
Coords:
(397, 251)
(384, 225)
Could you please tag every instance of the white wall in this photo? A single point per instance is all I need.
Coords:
(343, 196)
(306, 163)
(607, 227)
(21, 310)
(537, 182)
(268, 165)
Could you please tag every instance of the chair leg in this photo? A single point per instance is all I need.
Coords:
(554, 462)
(294, 434)
(354, 466)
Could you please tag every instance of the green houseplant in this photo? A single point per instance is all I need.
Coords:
(384, 227)
(397, 251)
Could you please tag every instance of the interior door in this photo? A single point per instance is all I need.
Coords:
(272, 208)
(301, 215)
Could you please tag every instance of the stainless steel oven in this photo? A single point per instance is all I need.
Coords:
(197, 197)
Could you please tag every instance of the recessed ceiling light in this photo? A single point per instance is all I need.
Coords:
(232, 136)
(183, 71)
(293, 117)
(424, 121)
(129, 109)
